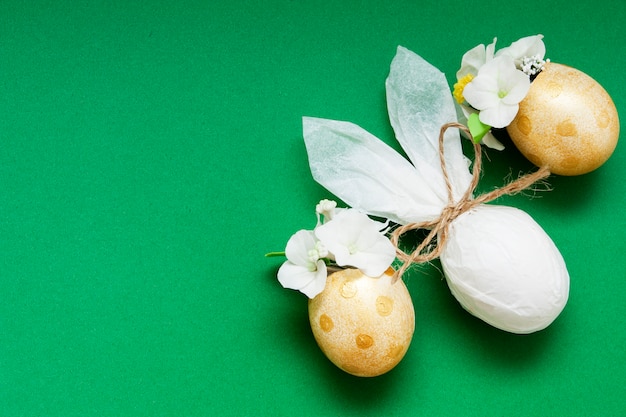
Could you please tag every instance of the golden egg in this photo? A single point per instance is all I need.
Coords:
(363, 325)
(567, 122)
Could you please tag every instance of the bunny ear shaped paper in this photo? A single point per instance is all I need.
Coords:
(419, 103)
(366, 173)
(369, 175)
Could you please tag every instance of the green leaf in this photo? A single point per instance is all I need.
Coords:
(477, 128)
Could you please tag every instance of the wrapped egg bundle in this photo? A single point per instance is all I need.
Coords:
(498, 262)
(566, 122)
(364, 325)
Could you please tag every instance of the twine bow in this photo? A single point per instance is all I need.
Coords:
(439, 228)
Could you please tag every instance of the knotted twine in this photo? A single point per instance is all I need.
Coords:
(439, 228)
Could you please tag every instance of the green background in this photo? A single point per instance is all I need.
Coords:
(151, 153)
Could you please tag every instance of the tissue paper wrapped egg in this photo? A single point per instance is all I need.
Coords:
(363, 325)
(503, 268)
(567, 122)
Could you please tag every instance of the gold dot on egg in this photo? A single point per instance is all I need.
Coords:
(566, 128)
(566, 122)
(326, 323)
(395, 351)
(364, 341)
(363, 325)
(348, 289)
(384, 305)
(554, 88)
(524, 125)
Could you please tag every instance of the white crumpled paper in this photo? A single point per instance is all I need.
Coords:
(498, 262)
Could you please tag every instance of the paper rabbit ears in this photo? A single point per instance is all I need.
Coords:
(372, 177)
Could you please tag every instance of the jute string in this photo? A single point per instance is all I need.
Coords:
(439, 228)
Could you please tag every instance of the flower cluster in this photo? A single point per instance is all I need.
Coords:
(491, 84)
(343, 237)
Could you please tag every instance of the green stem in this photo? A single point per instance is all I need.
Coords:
(274, 254)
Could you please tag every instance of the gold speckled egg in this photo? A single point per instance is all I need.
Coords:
(363, 325)
(567, 122)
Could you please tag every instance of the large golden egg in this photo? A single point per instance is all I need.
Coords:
(567, 122)
(363, 325)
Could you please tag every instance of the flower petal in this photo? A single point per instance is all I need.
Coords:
(294, 276)
(482, 92)
(519, 84)
(375, 259)
(300, 278)
(471, 61)
(298, 247)
(318, 284)
(489, 51)
(499, 116)
(528, 46)
(491, 142)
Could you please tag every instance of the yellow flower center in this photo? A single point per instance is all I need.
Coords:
(460, 86)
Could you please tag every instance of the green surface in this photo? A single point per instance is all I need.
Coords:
(151, 153)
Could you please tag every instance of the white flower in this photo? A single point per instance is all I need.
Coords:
(304, 270)
(530, 46)
(475, 58)
(356, 240)
(497, 90)
(346, 236)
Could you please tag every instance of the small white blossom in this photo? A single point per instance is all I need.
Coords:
(304, 269)
(497, 90)
(356, 240)
(348, 237)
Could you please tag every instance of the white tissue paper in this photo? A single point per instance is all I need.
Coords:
(503, 268)
(498, 262)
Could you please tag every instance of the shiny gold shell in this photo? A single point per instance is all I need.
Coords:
(567, 122)
(363, 325)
